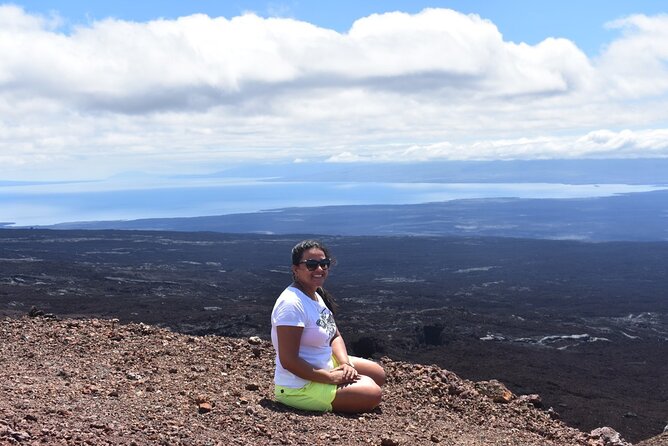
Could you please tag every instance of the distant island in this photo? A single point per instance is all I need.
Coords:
(625, 217)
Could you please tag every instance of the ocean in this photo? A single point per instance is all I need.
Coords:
(45, 204)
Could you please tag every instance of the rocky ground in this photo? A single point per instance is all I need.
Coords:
(98, 382)
(583, 325)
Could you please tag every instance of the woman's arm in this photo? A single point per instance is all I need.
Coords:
(341, 354)
(360, 367)
(339, 349)
(288, 353)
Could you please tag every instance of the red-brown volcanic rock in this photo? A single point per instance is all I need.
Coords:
(95, 382)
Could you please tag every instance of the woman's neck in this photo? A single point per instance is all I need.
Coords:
(310, 293)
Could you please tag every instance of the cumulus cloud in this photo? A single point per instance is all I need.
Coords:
(637, 64)
(200, 91)
(199, 62)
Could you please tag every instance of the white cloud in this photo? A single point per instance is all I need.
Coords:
(199, 62)
(625, 142)
(345, 157)
(596, 144)
(198, 92)
(636, 65)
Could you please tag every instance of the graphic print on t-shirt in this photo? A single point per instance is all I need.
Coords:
(326, 322)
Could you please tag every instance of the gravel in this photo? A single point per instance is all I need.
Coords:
(97, 382)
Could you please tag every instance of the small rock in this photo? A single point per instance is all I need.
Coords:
(455, 389)
(19, 435)
(553, 413)
(468, 394)
(434, 438)
(254, 340)
(30, 417)
(630, 415)
(204, 407)
(133, 376)
(495, 390)
(534, 399)
(387, 441)
(35, 312)
(199, 399)
(606, 436)
(252, 386)
(90, 389)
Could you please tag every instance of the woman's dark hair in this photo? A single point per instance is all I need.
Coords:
(298, 252)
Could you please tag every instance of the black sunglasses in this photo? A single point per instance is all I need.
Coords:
(312, 264)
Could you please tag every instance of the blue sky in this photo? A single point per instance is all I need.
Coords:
(91, 90)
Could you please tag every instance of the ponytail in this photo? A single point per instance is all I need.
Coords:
(328, 299)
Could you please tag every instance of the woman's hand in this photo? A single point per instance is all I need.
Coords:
(344, 374)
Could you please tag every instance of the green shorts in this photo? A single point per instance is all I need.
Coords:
(313, 396)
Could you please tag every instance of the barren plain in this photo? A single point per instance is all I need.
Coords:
(585, 325)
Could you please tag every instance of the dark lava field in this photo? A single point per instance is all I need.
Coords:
(585, 325)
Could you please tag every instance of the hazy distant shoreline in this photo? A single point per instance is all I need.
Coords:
(253, 188)
(639, 216)
(56, 204)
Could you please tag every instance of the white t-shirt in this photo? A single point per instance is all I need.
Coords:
(294, 308)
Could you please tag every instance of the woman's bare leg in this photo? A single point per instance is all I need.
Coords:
(369, 368)
(361, 396)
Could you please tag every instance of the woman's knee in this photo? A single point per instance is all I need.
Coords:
(371, 369)
(371, 392)
(379, 375)
(376, 395)
(362, 396)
